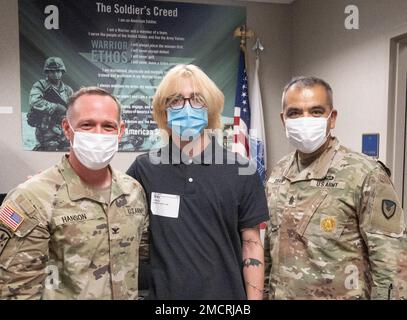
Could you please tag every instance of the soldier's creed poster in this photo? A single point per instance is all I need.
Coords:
(124, 46)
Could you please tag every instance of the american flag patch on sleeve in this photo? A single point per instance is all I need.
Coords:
(10, 217)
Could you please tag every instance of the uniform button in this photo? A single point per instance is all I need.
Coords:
(190, 180)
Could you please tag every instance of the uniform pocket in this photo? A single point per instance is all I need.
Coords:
(79, 229)
(128, 222)
(12, 244)
(324, 221)
(274, 209)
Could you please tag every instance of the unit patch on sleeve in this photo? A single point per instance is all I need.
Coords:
(388, 208)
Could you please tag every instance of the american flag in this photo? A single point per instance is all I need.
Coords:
(10, 218)
(249, 144)
(241, 120)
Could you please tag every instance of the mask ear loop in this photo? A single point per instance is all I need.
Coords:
(329, 133)
(330, 114)
(70, 126)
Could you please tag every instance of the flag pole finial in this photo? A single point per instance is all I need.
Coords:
(244, 34)
(258, 47)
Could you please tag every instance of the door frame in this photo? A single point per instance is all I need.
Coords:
(396, 122)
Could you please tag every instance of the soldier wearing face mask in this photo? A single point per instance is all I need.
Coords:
(74, 230)
(336, 229)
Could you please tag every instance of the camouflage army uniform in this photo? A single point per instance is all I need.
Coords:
(336, 229)
(88, 247)
(49, 104)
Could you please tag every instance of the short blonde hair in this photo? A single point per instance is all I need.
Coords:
(92, 91)
(171, 85)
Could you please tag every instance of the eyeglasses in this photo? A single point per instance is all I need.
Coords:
(177, 102)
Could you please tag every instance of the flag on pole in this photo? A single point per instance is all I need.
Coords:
(241, 120)
(248, 114)
(258, 137)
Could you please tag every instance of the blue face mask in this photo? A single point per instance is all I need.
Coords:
(187, 123)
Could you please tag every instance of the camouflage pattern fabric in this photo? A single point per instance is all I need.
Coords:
(71, 243)
(47, 109)
(336, 229)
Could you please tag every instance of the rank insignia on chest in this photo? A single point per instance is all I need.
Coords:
(328, 224)
(291, 201)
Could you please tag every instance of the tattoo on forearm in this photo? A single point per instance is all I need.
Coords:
(251, 262)
(254, 287)
(255, 242)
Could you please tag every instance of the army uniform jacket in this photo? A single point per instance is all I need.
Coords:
(61, 240)
(335, 230)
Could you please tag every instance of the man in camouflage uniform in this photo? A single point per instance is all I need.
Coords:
(48, 101)
(71, 232)
(336, 227)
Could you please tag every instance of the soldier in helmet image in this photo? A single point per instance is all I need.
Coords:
(48, 101)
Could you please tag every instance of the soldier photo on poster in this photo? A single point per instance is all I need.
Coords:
(48, 101)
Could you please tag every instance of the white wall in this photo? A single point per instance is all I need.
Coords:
(271, 22)
(354, 62)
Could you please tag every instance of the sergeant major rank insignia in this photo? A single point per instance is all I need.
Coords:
(388, 208)
(291, 202)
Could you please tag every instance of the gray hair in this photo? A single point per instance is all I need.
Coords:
(308, 82)
(92, 90)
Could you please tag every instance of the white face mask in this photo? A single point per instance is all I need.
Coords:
(307, 134)
(94, 150)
